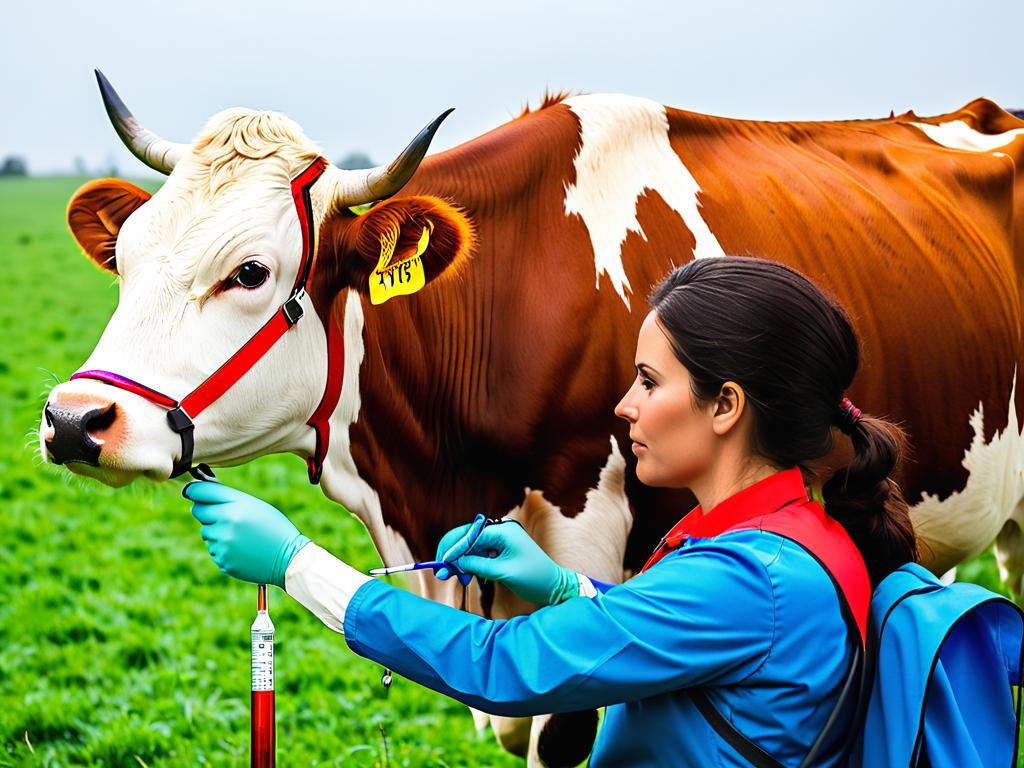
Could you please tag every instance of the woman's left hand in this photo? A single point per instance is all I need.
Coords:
(247, 537)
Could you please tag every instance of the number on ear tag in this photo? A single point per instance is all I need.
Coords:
(403, 277)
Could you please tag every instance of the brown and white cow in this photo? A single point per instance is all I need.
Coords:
(492, 388)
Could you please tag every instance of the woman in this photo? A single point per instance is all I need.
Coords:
(741, 368)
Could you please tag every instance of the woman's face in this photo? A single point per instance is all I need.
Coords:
(672, 434)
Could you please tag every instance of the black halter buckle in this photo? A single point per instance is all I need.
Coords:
(293, 309)
(179, 420)
(181, 423)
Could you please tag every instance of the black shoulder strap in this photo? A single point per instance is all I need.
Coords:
(756, 756)
(748, 750)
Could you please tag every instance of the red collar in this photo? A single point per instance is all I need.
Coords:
(763, 497)
(779, 504)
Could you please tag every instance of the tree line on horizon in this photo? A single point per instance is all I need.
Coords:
(17, 165)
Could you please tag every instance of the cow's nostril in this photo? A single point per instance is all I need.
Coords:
(99, 420)
(70, 439)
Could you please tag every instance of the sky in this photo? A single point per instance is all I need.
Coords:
(366, 77)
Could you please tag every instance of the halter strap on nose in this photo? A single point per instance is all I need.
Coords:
(181, 414)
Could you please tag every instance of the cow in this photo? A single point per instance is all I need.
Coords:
(488, 386)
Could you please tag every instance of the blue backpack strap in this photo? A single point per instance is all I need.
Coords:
(946, 658)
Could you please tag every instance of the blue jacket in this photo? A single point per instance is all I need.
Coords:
(747, 614)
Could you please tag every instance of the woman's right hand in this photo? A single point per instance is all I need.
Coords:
(504, 552)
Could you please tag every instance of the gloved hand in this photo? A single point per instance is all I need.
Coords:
(456, 543)
(247, 538)
(505, 553)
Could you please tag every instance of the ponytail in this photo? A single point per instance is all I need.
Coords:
(867, 501)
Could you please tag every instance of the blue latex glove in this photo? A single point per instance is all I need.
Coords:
(247, 538)
(458, 546)
(505, 553)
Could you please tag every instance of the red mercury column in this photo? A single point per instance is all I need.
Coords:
(262, 713)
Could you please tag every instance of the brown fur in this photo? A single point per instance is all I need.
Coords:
(95, 215)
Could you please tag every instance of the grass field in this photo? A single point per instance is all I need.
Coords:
(120, 642)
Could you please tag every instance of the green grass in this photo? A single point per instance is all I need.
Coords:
(121, 644)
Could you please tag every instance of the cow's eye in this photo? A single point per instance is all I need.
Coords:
(250, 275)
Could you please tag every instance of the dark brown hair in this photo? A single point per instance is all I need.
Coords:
(794, 352)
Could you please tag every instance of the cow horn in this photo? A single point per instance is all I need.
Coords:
(366, 186)
(159, 154)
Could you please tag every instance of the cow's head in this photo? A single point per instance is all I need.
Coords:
(202, 264)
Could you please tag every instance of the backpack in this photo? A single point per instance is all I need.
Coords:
(945, 658)
(931, 678)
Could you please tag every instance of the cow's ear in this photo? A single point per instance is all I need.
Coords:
(96, 213)
(377, 252)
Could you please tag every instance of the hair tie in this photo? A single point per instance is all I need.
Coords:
(849, 415)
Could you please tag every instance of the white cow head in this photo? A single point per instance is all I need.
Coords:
(201, 265)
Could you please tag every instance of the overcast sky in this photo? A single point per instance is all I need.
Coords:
(367, 76)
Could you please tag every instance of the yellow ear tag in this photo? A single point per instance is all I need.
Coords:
(403, 277)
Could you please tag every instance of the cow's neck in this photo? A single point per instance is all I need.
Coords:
(426, 407)
(397, 447)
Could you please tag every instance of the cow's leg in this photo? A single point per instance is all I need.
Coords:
(1010, 551)
(563, 740)
(512, 733)
(593, 543)
(480, 721)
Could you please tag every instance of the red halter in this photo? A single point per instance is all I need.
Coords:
(181, 413)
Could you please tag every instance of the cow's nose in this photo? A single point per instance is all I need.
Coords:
(71, 432)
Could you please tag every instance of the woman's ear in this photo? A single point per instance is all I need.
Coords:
(728, 407)
(95, 215)
(396, 247)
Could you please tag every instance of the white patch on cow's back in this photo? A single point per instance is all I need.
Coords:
(964, 524)
(957, 134)
(625, 150)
